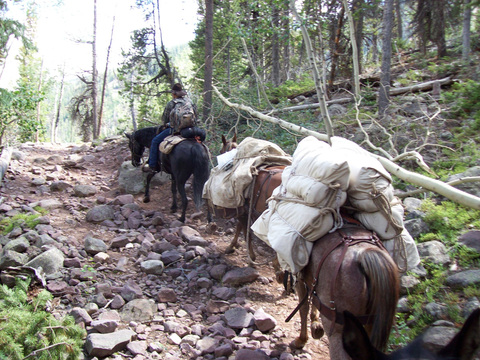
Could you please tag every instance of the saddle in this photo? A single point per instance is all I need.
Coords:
(167, 145)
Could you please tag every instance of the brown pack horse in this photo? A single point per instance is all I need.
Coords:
(348, 270)
(264, 183)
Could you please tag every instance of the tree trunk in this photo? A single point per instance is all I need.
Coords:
(439, 28)
(467, 16)
(384, 91)
(316, 77)
(358, 11)
(56, 120)
(38, 105)
(398, 13)
(94, 73)
(336, 47)
(104, 85)
(275, 46)
(355, 55)
(207, 85)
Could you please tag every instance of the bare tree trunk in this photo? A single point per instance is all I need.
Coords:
(355, 59)
(104, 85)
(94, 73)
(439, 27)
(467, 16)
(275, 46)
(56, 120)
(336, 49)
(207, 85)
(318, 85)
(38, 104)
(398, 13)
(384, 91)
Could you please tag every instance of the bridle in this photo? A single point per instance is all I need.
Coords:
(133, 143)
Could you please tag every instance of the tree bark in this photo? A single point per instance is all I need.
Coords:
(355, 55)
(94, 73)
(207, 84)
(56, 120)
(467, 16)
(104, 85)
(436, 186)
(384, 92)
(318, 85)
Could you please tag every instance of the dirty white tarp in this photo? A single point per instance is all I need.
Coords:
(227, 185)
(320, 180)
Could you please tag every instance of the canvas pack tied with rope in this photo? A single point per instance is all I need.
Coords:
(321, 180)
(229, 182)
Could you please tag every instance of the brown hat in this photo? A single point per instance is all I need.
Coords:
(177, 87)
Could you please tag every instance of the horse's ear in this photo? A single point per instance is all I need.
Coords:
(467, 341)
(234, 139)
(224, 141)
(128, 135)
(355, 339)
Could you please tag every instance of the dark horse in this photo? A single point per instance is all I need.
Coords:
(187, 158)
(463, 346)
(347, 270)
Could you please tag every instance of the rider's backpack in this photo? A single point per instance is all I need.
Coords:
(183, 114)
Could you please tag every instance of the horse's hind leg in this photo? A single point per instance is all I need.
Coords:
(316, 326)
(146, 197)
(183, 196)
(301, 340)
(173, 185)
(241, 227)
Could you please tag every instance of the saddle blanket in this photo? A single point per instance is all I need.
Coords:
(167, 145)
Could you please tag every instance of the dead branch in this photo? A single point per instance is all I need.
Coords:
(438, 187)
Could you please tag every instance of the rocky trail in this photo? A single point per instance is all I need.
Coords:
(144, 285)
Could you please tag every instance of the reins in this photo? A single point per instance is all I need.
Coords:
(330, 311)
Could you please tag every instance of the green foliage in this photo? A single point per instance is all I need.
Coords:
(401, 334)
(290, 87)
(448, 219)
(23, 220)
(464, 100)
(28, 331)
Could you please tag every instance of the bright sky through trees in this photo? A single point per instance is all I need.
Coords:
(62, 28)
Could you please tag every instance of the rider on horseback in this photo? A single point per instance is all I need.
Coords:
(173, 126)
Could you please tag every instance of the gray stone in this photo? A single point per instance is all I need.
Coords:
(50, 261)
(247, 354)
(84, 190)
(104, 326)
(471, 240)
(137, 348)
(12, 258)
(130, 291)
(152, 267)
(102, 345)
(206, 345)
(464, 279)
(240, 276)
(138, 310)
(19, 245)
(94, 246)
(437, 337)
(100, 213)
(80, 316)
(239, 318)
(434, 251)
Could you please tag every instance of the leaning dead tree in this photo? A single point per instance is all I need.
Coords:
(436, 186)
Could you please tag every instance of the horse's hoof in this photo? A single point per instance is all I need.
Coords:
(181, 219)
(297, 343)
(229, 250)
(146, 199)
(317, 330)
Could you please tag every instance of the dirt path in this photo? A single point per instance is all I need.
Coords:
(23, 185)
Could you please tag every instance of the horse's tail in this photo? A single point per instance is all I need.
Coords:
(201, 171)
(383, 283)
